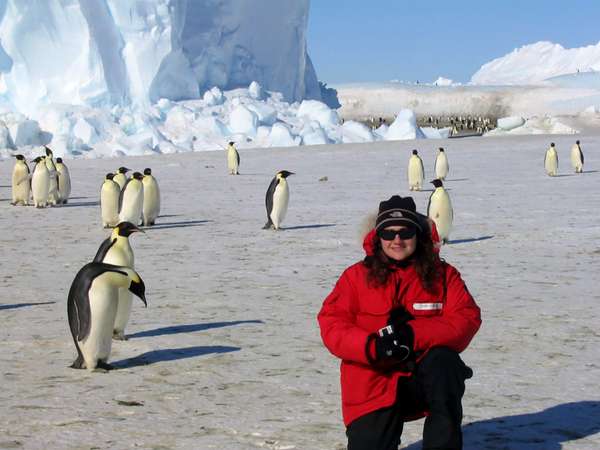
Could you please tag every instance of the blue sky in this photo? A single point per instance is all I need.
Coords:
(360, 40)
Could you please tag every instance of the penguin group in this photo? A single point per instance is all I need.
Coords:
(439, 206)
(135, 199)
(47, 184)
(551, 159)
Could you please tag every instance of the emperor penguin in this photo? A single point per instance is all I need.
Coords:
(233, 159)
(277, 199)
(441, 165)
(109, 201)
(439, 209)
(131, 200)
(551, 161)
(121, 176)
(416, 171)
(40, 183)
(53, 196)
(151, 207)
(577, 157)
(21, 182)
(92, 308)
(116, 250)
(64, 181)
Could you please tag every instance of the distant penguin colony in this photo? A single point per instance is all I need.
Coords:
(441, 166)
(439, 209)
(92, 307)
(233, 159)
(551, 161)
(577, 157)
(276, 200)
(416, 172)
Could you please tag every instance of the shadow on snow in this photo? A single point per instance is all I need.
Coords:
(171, 354)
(166, 225)
(23, 305)
(465, 241)
(303, 227)
(546, 429)
(176, 329)
(76, 204)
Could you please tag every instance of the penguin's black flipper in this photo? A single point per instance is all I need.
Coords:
(581, 154)
(238, 157)
(103, 250)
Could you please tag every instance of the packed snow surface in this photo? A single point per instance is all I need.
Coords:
(228, 354)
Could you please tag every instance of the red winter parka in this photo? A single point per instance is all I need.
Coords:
(355, 309)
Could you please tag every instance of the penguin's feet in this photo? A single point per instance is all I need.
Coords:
(120, 336)
(103, 366)
(79, 363)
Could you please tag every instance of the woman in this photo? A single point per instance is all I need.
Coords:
(398, 320)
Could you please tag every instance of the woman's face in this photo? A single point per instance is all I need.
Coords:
(396, 243)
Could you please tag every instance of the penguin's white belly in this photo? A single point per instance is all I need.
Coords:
(20, 186)
(281, 198)
(415, 174)
(441, 167)
(232, 162)
(551, 163)
(109, 203)
(151, 206)
(131, 209)
(440, 211)
(121, 257)
(103, 310)
(40, 183)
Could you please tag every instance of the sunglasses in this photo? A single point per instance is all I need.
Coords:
(404, 233)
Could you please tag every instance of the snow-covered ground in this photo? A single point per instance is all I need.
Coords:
(228, 355)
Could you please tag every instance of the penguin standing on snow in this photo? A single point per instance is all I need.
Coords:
(121, 176)
(439, 209)
(441, 165)
(109, 201)
(21, 182)
(40, 183)
(92, 308)
(53, 196)
(277, 198)
(233, 159)
(131, 200)
(551, 161)
(416, 171)
(116, 250)
(64, 181)
(577, 157)
(151, 207)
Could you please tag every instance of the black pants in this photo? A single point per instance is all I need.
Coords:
(437, 386)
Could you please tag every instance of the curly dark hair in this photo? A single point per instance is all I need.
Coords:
(426, 263)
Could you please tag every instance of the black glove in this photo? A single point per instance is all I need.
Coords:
(394, 343)
(398, 317)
